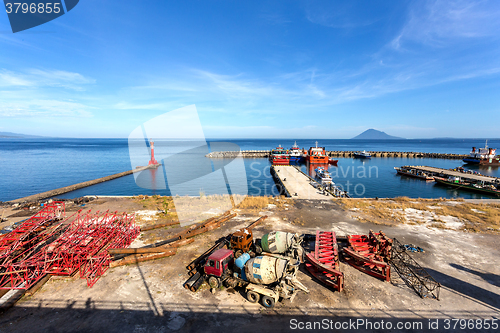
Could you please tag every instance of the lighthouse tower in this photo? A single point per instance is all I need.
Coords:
(152, 161)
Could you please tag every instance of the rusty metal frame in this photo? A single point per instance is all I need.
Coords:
(414, 275)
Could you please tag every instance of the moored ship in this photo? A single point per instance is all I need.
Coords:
(296, 154)
(483, 156)
(323, 175)
(317, 155)
(362, 154)
(279, 156)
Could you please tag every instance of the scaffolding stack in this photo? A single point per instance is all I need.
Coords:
(48, 244)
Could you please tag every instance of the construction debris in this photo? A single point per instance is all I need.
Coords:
(159, 225)
(158, 249)
(413, 248)
(196, 229)
(134, 259)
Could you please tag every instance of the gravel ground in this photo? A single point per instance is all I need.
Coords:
(149, 297)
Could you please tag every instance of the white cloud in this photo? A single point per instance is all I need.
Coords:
(30, 93)
(440, 22)
(340, 14)
(44, 108)
(44, 78)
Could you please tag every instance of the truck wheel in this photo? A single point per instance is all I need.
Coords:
(213, 282)
(252, 296)
(268, 302)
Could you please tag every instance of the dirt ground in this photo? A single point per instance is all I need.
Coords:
(149, 297)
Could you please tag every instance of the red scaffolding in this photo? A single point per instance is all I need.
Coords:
(41, 246)
(19, 268)
(84, 244)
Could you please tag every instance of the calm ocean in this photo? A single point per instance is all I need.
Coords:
(30, 166)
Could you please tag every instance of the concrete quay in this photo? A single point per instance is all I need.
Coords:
(294, 183)
(444, 172)
(337, 153)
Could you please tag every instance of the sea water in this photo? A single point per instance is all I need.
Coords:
(30, 166)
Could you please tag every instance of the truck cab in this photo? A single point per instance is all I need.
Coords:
(242, 241)
(218, 266)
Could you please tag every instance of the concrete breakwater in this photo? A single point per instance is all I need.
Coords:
(66, 189)
(265, 153)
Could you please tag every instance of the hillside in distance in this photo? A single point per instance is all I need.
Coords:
(17, 135)
(373, 134)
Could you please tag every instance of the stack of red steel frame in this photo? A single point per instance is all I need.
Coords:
(370, 254)
(323, 263)
(20, 265)
(46, 245)
(84, 244)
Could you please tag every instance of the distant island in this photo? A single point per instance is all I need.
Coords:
(17, 135)
(373, 134)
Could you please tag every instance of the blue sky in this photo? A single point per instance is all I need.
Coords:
(257, 69)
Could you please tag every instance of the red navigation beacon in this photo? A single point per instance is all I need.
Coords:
(152, 161)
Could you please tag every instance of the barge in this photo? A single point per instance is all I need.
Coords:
(469, 186)
(415, 173)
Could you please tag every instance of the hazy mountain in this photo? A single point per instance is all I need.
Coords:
(373, 134)
(17, 135)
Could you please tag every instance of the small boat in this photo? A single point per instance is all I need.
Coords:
(469, 186)
(279, 156)
(296, 154)
(362, 154)
(333, 162)
(410, 172)
(483, 156)
(317, 155)
(323, 175)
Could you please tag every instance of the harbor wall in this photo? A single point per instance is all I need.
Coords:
(66, 189)
(265, 153)
(279, 184)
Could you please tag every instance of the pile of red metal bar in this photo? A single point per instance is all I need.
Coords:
(46, 244)
(323, 263)
(18, 270)
(83, 246)
(370, 254)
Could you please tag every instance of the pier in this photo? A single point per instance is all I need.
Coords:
(66, 189)
(337, 153)
(295, 184)
(449, 173)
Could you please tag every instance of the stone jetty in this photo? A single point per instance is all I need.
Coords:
(265, 153)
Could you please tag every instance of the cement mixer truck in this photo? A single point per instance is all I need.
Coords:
(285, 243)
(267, 278)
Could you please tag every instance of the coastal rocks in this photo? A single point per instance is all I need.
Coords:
(234, 154)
